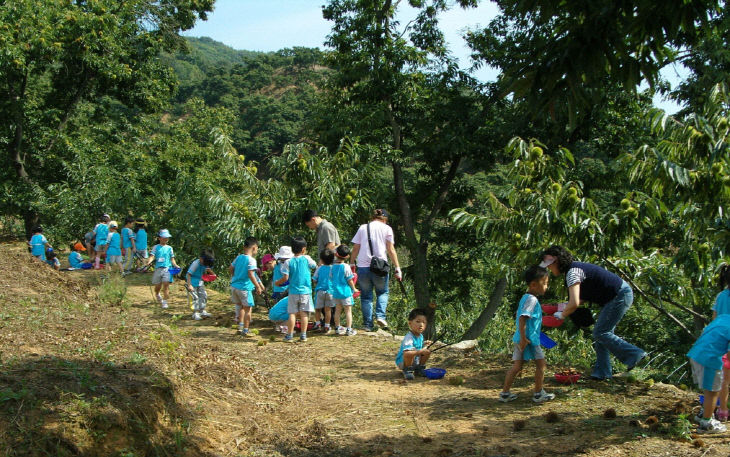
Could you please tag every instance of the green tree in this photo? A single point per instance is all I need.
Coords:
(57, 54)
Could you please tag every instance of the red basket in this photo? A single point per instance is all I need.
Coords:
(551, 321)
(567, 378)
(549, 309)
(209, 277)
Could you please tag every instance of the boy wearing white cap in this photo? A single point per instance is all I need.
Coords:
(282, 256)
(164, 258)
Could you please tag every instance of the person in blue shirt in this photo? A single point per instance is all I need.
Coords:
(52, 260)
(128, 243)
(195, 284)
(164, 257)
(343, 290)
(74, 258)
(140, 239)
(297, 271)
(114, 248)
(705, 357)
(722, 306)
(412, 356)
(323, 302)
(527, 337)
(244, 282)
(38, 244)
(282, 256)
(101, 232)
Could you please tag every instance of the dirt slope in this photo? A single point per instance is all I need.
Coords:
(81, 377)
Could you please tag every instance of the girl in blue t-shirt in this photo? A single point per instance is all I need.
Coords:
(114, 247)
(140, 239)
(38, 244)
(722, 306)
(101, 232)
(343, 290)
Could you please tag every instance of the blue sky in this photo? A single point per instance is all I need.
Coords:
(270, 25)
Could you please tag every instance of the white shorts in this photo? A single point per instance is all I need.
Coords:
(141, 254)
(114, 259)
(299, 303)
(706, 378)
(323, 299)
(161, 275)
(343, 301)
(242, 297)
(531, 352)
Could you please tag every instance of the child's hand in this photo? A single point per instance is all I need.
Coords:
(427, 343)
(189, 287)
(424, 352)
(523, 344)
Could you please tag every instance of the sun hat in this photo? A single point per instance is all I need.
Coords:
(547, 261)
(284, 253)
(79, 247)
(164, 233)
(113, 224)
(266, 259)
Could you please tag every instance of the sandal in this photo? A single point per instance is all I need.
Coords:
(722, 414)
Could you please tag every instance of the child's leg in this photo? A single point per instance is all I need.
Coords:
(327, 316)
(708, 408)
(246, 313)
(304, 321)
(724, 389)
(165, 289)
(511, 375)
(348, 316)
(291, 322)
(540, 366)
(317, 314)
(408, 358)
(158, 287)
(338, 312)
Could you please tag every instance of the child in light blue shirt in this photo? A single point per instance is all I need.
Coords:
(527, 337)
(323, 301)
(196, 285)
(297, 271)
(140, 238)
(114, 248)
(244, 282)
(52, 260)
(343, 289)
(705, 357)
(38, 244)
(74, 258)
(164, 258)
(101, 232)
(128, 243)
(412, 356)
(722, 306)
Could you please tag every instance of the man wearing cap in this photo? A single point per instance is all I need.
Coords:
(590, 283)
(327, 235)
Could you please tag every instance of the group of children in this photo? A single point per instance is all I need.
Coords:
(293, 285)
(120, 249)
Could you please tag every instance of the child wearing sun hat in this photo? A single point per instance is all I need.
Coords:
(164, 257)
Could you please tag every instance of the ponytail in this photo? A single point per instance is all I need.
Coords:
(724, 279)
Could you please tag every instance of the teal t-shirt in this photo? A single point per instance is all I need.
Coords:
(322, 277)
(241, 266)
(196, 271)
(114, 240)
(722, 302)
(410, 342)
(277, 276)
(163, 255)
(75, 260)
(713, 343)
(530, 307)
(341, 274)
(300, 276)
(38, 245)
(102, 232)
(141, 240)
(127, 237)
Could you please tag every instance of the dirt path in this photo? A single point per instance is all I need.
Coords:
(174, 386)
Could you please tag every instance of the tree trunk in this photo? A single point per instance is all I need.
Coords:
(477, 328)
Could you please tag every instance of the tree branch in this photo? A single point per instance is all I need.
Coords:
(441, 198)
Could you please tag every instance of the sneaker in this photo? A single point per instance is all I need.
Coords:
(303, 337)
(365, 328)
(205, 313)
(340, 330)
(408, 374)
(419, 370)
(631, 367)
(289, 337)
(351, 332)
(721, 415)
(542, 396)
(505, 397)
(284, 329)
(245, 332)
(196, 316)
(711, 426)
(326, 330)
(164, 304)
(382, 323)
(317, 327)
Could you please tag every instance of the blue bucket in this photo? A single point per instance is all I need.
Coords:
(546, 341)
(434, 373)
(702, 400)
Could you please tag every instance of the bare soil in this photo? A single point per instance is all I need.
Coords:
(79, 377)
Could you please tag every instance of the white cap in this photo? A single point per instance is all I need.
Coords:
(547, 260)
(284, 253)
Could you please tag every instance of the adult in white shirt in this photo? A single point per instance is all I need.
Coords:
(381, 236)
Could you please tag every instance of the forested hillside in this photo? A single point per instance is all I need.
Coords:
(111, 110)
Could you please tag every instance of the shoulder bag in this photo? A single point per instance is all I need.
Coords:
(378, 266)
